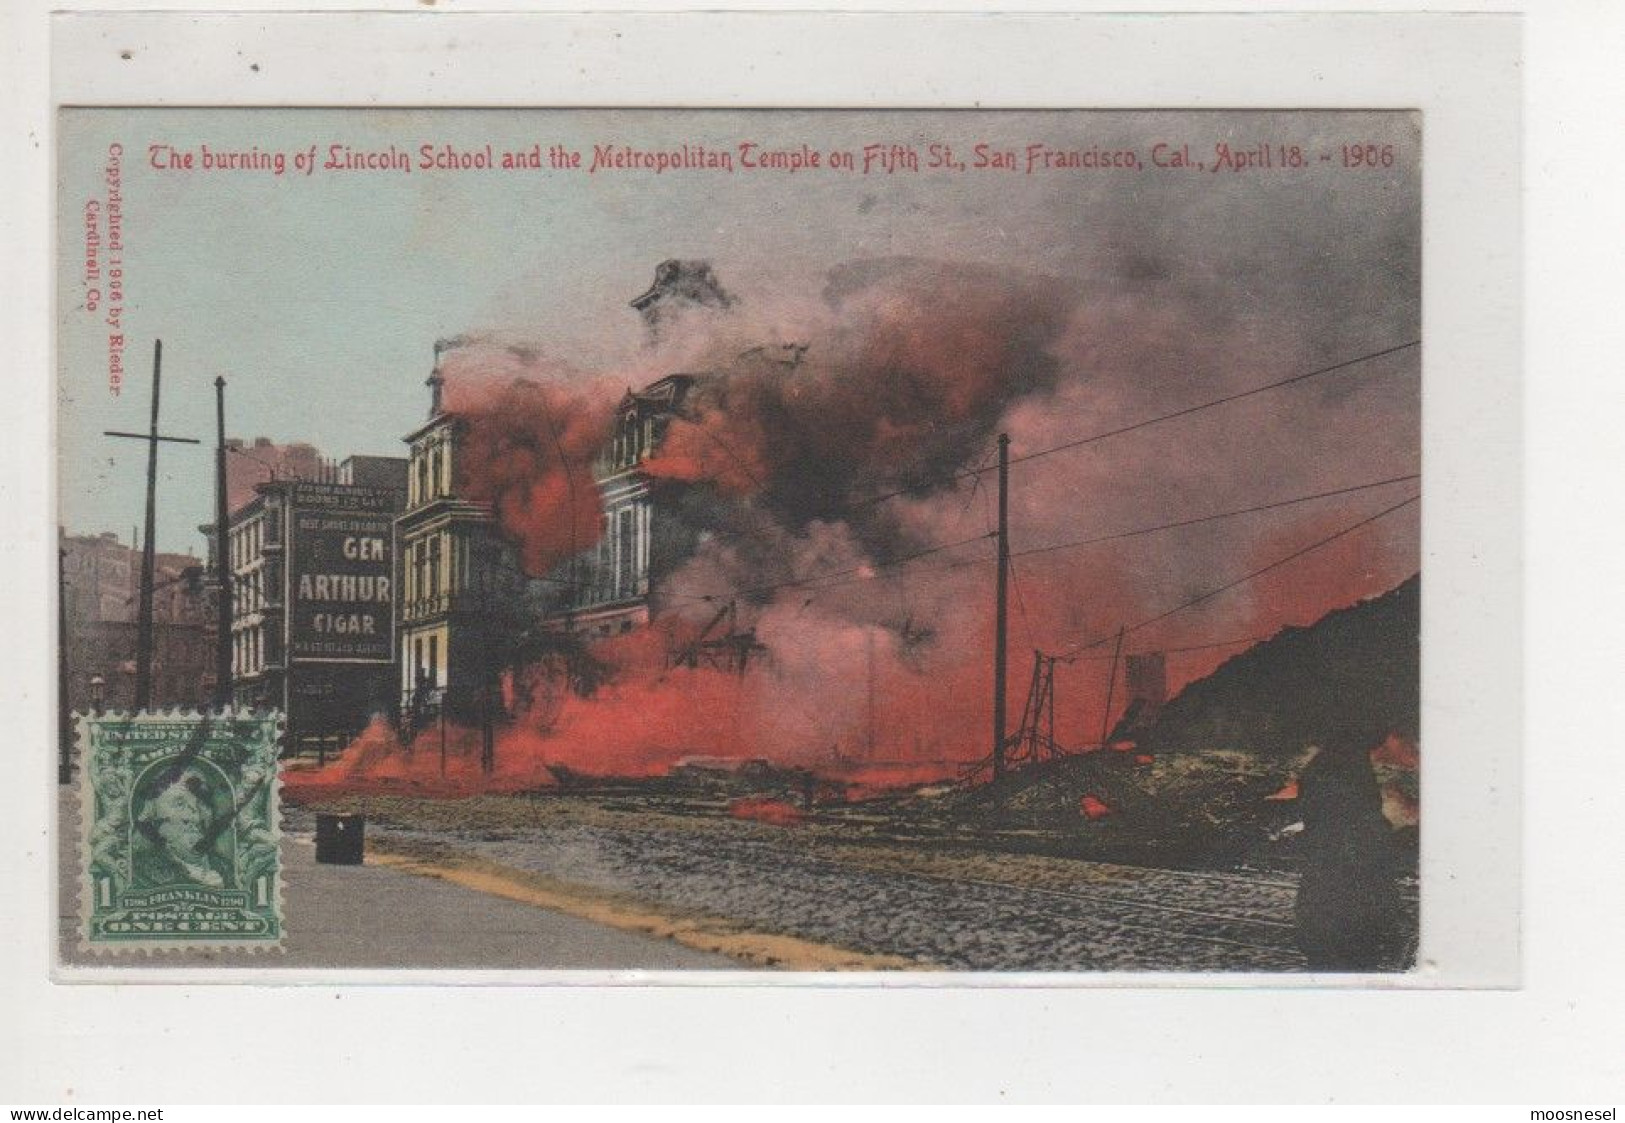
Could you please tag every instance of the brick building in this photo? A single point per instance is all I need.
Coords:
(101, 579)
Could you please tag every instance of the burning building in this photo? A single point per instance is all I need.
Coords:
(608, 548)
(463, 590)
(608, 586)
(679, 287)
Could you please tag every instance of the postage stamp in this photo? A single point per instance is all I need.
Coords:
(181, 836)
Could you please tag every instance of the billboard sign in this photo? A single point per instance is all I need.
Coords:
(341, 594)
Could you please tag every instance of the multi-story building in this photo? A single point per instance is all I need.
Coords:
(463, 593)
(612, 581)
(313, 599)
(101, 580)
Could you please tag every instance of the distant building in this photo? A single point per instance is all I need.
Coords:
(462, 589)
(313, 599)
(1146, 677)
(262, 460)
(101, 580)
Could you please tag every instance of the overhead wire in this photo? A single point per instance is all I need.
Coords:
(831, 579)
(1242, 580)
(1146, 423)
(848, 575)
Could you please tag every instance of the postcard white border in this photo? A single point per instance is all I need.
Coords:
(1463, 72)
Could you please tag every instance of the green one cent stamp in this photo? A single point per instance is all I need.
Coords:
(181, 838)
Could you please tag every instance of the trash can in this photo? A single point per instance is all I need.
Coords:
(339, 839)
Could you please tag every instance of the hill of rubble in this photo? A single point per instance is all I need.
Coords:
(1210, 781)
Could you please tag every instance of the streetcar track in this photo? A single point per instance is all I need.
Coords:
(1107, 898)
(935, 917)
(1015, 892)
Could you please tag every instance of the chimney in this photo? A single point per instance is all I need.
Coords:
(436, 382)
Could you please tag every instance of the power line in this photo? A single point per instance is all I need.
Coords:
(1242, 580)
(1226, 400)
(1216, 517)
(1021, 602)
(977, 472)
(735, 457)
(970, 473)
(1215, 645)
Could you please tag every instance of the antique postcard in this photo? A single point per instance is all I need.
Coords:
(713, 540)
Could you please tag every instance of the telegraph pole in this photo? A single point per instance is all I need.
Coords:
(222, 541)
(1002, 607)
(149, 548)
(1111, 686)
(488, 743)
(143, 628)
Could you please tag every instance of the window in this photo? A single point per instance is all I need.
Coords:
(434, 566)
(434, 661)
(626, 554)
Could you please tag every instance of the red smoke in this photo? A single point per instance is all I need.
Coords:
(899, 380)
(905, 384)
(527, 449)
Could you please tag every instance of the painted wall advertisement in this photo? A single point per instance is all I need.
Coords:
(341, 581)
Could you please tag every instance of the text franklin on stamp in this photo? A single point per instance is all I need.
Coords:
(181, 838)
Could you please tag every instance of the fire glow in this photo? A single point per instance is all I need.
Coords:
(904, 374)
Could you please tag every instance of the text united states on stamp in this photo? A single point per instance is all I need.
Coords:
(181, 836)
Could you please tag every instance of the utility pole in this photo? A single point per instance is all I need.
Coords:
(222, 540)
(488, 744)
(143, 629)
(1002, 607)
(1111, 686)
(64, 759)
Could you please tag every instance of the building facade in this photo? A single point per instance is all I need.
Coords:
(313, 600)
(101, 580)
(463, 593)
(608, 593)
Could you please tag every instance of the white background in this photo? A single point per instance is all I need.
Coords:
(1556, 1039)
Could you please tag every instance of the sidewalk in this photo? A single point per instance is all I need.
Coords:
(377, 917)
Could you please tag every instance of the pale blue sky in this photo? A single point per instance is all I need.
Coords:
(320, 298)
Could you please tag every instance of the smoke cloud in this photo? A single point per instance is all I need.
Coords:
(874, 616)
